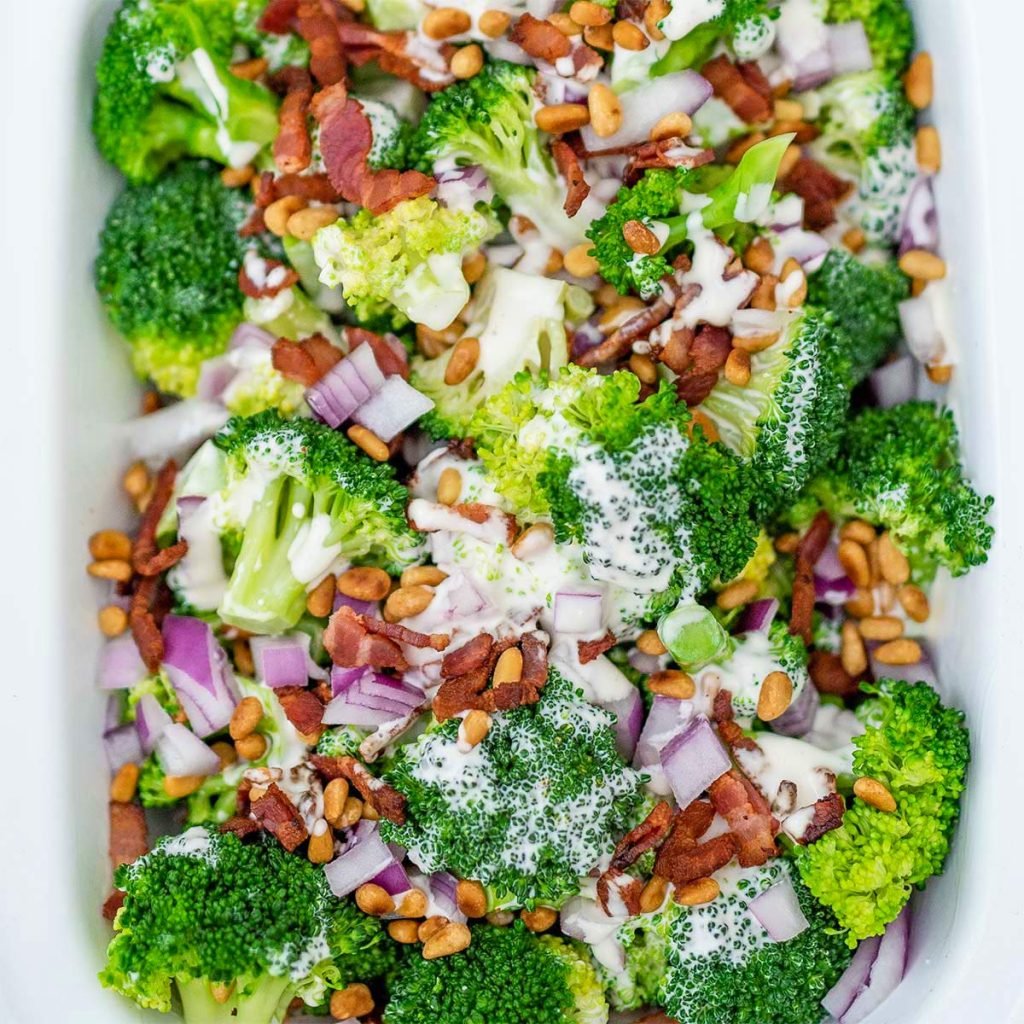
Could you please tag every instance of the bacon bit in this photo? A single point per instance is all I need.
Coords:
(808, 551)
(820, 190)
(651, 832)
(278, 816)
(738, 90)
(757, 80)
(293, 149)
(304, 361)
(255, 225)
(665, 153)
(681, 858)
(621, 341)
(241, 827)
(708, 352)
(621, 885)
(278, 17)
(302, 707)
(468, 691)
(266, 291)
(478, 512)
(472, 655)
(318, 24)
(350, 644)
(722, 715)
(828, 675)
(568, 164)
(460, 693)
(675, 353)
(142, 621)
(385, 799)
(112, 904)
(588, 650)
(404, 635)
(129, 837)
(346, 138)
(535, 663)
(539, 38)
(387, 350)
(147, 559)
(828, 815)
(749, 817)
(390, 50)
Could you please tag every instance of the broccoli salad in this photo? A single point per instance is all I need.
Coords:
(541, 491)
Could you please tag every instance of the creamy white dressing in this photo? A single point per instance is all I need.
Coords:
(686, 15)
(744, 672)
(801, 29)
(750, 206)
(199, 577)
(754, 38)
(785, 758)
(310, 556)
(600, 680)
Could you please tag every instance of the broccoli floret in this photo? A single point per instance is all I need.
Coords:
(405, 264)
(258, 386)
(157, 685)
(533, 807)
(236, 930)
(724, 969)
(695, 30)
(391, 135)
(664, 201)
(866, 869)
(487, 120)
(644, 941)
(305, 497)
(518, 320)
(167, 272)
(900, 469)
(278, 50)
(506, 976)
(165, 90)
(889, 26)
(788, 420)
(863, 300)
(342, 741)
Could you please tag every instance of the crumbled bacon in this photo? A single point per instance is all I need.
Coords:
(682, 859)
(112, 904)
(350, 644)
(305, 361)
(283, 280)
(740, 88)
(317, 21)
(278, 816)
(623, 888)
(708, 352)
(387, 350)
(588, 650)
(675, 352)
(539, 39)
(665, 153)
(535, 662)
(722, 715)
(129, 837)
(302, 708)
(241, 827)
(820, 190)
(404, 635)
(569, 167)
(147, 559)
(278, 17)
(651, 832)
(828, 815)
(750, 820)
(390, 50)
(634, 329)
(142, 622)
(254, 225)
(385, 799)
(293, 148)
(808, 551)
(471, 656)
(828, 675)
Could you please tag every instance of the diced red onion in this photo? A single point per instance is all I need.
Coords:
(693, 760)
(120, 664)
(461, 188)
(112, 713)
(441, 887)
(363, 861)
(759, 615)
(788, 212)
(466, 599)
(778, 910)
(199, 672)
(150, 722)
(838, 998)
(836, 590)
(371, 608)
(331, 399)
(629, 720)
(920, 228)
(798, 718)
(647, 664)
(584, 919)
(122, 746)
(578, 612)
(281, 660)
(393, 879)
(343, 678)
(815, 69)
(666, 720)
(352, 706)
(849, 48)
(215, 375)
(394, 407)
(181, 752)
(377, 684)
(362, 374)
(246, 335)
(921, 329)
(646, 104)
(885, 973)
(587, 336)
(920, 671)
(176, 430)
(894, 383)
(808, 248)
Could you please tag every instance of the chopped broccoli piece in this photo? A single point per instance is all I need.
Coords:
(165, 90)
(405, 264)
(788, 420)
(487, 120)
(664, 201)
(695, 30)
(389, 15)
(506, 976)
(534, 806)
(644, 940)
(864, 301)
(391, 135)
(918, 749)
(889, 26)
(167, 272)
(519, 322)
(236, 930)
(900, 469)
(304, 497)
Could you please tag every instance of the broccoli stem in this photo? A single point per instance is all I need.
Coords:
(264, 1005)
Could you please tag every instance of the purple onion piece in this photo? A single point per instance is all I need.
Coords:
(693, 760)
(759, 615)
(181, 752)
(120, 664)
(371, 608)
(360, 863)
(246, 335)
(798, 718)
(199, 672)
(395, 406)
(666, 720)
(112, 712)
(849, 48)
(215, 375)
(281, 660)
(778, 911)
(393, 879)
(920, 228)
(121, 746)
(886, 972)
(921, 671)
(151, 721)
(838, 998)
(894, 383)
(629, 720)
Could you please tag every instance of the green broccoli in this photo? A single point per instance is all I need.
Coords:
(722, 968)
(236, 930)
(745, 24)
(532, 808)
(889, 26)
(303, 497)
(918, 749)
(165, 90)
(167, 272)
(487, 120)
(506, 976)
(664, 201)
(519, 322)
(405, 264)
(278, 50)
(900, 469)
(644, 940)
(863, 299)
(787, 421)
(341, 741)
(389, 15)
(391, 135)
(157, 685)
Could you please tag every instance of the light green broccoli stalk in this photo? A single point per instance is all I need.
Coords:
(506, 976)
(235, 930)
(696, 28)
(889, 26)
(392, 15)
(405, 264)
(918, 749)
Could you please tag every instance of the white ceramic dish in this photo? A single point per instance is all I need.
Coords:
(68, 388)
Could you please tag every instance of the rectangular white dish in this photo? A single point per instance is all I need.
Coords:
(68, 389)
